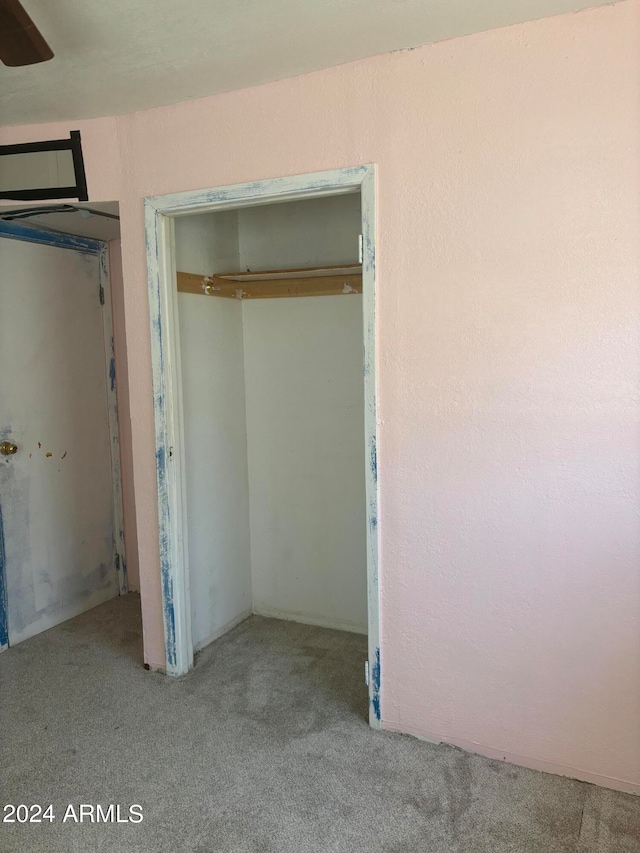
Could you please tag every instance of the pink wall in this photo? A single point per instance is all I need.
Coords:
(509, 363)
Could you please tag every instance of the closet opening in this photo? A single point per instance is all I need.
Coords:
(265, 419)
(66, 491)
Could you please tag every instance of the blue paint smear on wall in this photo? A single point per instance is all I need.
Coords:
(160, 459)
(373, 458)
(28, 233)
(167, 589)
(4, 629)
(167, 585)
(161, 475)
(375, 685)
(275, 186)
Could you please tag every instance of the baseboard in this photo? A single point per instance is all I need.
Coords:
(306, 619)
(223, 630)
(519, 760)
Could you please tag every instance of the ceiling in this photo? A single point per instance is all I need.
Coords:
(117, 56)
(73, 222)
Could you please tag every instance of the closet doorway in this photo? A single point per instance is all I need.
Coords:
(263, 335)
(62, 548)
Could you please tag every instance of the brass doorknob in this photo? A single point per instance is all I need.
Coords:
(8, 448)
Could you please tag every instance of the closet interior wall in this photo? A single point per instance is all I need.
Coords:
(273, 405)
(215, 433)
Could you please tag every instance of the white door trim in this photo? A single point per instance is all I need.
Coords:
(160, 212)
(88, 246)
(112, 409)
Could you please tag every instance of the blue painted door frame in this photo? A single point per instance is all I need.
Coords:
(18, 231)
(159, 213)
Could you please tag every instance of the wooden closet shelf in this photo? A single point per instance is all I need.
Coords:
(272, 284)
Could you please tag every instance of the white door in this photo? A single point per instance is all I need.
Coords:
(56, 495)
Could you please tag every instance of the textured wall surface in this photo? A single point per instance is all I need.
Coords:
(304, 233)
(215, 432)
(305, 419)
(305, 432)
(508, 317)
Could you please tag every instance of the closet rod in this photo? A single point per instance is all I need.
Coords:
(274, 284)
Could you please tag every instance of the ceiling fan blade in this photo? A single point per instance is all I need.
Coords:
(20, 40)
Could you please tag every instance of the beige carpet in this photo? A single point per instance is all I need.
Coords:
(263, 748)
